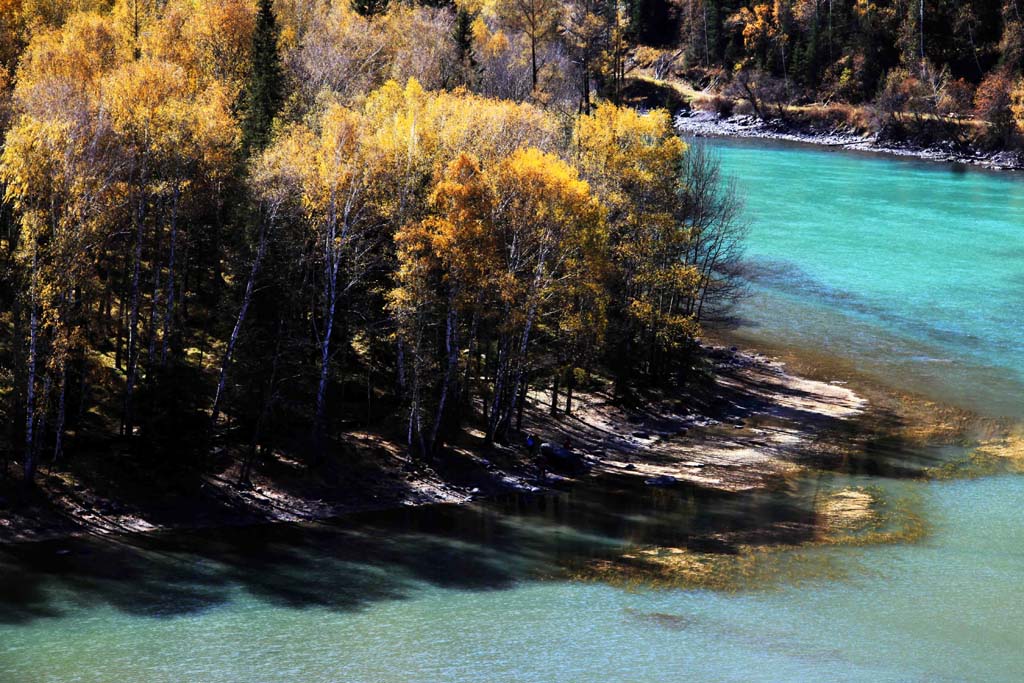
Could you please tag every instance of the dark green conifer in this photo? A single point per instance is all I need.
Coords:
(462, 34)
(265, 90)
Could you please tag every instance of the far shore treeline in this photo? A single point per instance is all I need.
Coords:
(227, 225)
(931, 71)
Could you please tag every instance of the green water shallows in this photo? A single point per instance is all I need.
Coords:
(910, 269)
(915, 270)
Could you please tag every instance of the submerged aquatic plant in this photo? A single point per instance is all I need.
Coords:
(999, 455)
(853, 516)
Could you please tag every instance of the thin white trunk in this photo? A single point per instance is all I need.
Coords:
(707, 55)
(58, 444)
(250, 285)
(30, 397)
(331, 262)
(169, 311)
(133, 325)
(500, 374)
(452, 361)
(920, 23)
(523, 346)
(154, 303)
(527, 328)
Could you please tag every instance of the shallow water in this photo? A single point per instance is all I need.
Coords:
(910, 269)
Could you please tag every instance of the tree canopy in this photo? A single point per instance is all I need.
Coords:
(223, 213)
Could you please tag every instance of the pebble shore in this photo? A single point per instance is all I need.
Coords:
(710, 124)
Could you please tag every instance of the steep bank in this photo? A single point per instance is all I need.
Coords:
(699, 123)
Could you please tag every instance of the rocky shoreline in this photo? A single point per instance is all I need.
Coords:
(709, 124)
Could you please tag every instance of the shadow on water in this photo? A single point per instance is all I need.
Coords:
(351, 563)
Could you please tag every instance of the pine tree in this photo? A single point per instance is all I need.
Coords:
(265, 90)
(462, 34)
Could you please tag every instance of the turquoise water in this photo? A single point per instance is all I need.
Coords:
(912, 270)
(460, 595)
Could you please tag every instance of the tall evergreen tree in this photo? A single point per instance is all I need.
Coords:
(462, 34)
(467, 68)
(265, 90)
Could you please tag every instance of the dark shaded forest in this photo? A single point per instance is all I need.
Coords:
(229, 227)
(232, 228)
